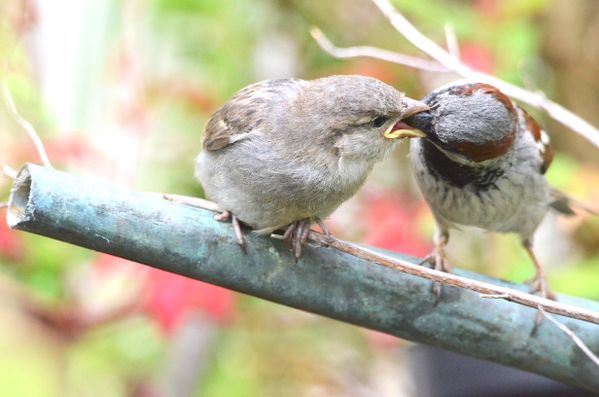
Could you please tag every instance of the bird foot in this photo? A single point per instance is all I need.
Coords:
(297, 234)
(436, 260)
(538, 285)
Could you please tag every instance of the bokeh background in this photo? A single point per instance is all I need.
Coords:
(119, 90)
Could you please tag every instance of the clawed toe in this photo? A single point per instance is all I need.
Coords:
(436, 260)
(238, 232)
(538, 285)
(225, 216)
(297, 234)
(323, 227)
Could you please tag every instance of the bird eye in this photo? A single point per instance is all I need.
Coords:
(379, 121)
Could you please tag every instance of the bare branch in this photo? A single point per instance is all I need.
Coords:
(452, 63)
(452, 41)
(39, 146)
(585, 349)
(9, 172)
(191, 201)
(372, 52)
(494, 296)
(556, 111)
(488, 290)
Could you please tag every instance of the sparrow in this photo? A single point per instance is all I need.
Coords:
(281, 154)
(482, 163)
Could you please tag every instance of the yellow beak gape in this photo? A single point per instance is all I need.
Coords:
(397, 134)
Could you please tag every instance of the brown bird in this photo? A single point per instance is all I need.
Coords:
(284, 153)
(482, 163)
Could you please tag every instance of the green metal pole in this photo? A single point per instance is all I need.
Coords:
(187, 241)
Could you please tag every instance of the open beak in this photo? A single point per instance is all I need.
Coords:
(402, 130)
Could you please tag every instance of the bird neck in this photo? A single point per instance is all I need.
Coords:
(456, 173)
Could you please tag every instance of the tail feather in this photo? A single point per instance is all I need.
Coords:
(566, 205)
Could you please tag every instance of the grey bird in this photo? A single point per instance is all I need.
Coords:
(281, 154)
(482, 164)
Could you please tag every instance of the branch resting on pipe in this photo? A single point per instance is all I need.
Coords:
(187, 241)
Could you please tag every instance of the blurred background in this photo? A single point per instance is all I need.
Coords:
(119, 90)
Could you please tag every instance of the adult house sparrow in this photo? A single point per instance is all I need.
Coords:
(283, 153)
(482, 163)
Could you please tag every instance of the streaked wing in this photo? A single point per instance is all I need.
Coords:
(541, 139)
(243, 114)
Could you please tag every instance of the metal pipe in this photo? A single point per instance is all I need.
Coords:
(187, 241)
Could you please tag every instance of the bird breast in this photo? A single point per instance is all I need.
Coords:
(506, 198)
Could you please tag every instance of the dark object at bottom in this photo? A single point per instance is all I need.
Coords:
(439, 373)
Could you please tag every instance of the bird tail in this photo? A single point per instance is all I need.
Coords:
(567, 205)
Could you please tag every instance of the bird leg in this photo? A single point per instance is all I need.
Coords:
(436, 259)
(539, 282)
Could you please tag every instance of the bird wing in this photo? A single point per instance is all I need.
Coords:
(561, 202)
(541, 139)
(245, 113)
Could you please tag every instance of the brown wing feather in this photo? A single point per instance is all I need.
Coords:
(220, 132)
(245, 112)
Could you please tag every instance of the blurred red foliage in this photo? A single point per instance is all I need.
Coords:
(487, 7)
(477, 57)
(11, 244)
(166, 297)
(172, 296)
(392, 224)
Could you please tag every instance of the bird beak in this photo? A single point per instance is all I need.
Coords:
(402, 130)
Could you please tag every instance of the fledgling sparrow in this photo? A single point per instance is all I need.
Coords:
(283, 153)
(482, 163)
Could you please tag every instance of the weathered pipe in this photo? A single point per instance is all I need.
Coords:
(187, 241)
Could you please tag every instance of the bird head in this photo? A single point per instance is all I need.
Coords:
(360, 117)
(474, 121)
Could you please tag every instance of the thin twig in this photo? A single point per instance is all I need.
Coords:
(11, 173)
(556, 111)
(37, 142)
(452, 41)
(495, 291)
(8, 171)
(488, 290)
(581, 345)
(372, 52)
(190, 201)
(494, 296)
(451, 63)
